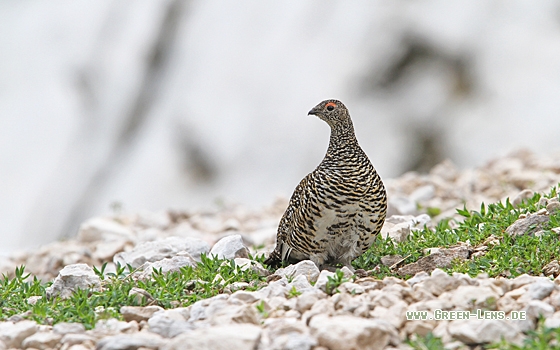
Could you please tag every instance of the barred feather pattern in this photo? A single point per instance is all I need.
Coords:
(336, 212)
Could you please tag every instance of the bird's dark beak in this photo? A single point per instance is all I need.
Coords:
(314, 111)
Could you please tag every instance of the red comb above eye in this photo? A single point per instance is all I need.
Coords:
(330, 104)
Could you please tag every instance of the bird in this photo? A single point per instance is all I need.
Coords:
(336, 211)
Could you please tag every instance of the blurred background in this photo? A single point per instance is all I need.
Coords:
(148, 105)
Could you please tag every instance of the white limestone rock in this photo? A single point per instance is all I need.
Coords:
(419, 327)
(169, 325)
(323, 279)
(64, 328)
(533, 310)
(72, 277)
(423, 193)
(323, 307)
(369, 283)
(305, 268)
(553, 206)
(160, 219)
(541, 289)
(474, 331)
(394, 314)
(553, 321)
(7, 266)
(161, 249)
(139, 313)
(221, 313)
(104, 229)
(300, 283)
(385, 298)
(397, 232)
(13, 334)
(106, 250)
(467, 297)
(439, 282)
(347, 272)
(438, 258)
(263, 235)
(430, 305)
(531, 224)
(344, 303)
(521, 280)
(419, 277)
(276, 288)
(166, 265)
(524, 195)
(113, 326)
(441, 331)
(201, 311)
(278, 302)
(294, 341)
(351, 288)
(499, 285)
(255, 266)
(124, 341)
(230, 247)
(306, 301)
(398, 227)
(352, 333)
(288, 334)
(508, 304)
(41, 340)
(77, 339)
(32, 300)
(225, 337)
(243, 297)
(554, 299)
(401, 205)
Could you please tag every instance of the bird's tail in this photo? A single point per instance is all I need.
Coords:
(274, 259)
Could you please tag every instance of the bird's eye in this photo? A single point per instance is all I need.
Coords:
(330, 106)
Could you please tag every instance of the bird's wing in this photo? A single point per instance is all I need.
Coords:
(293, 224)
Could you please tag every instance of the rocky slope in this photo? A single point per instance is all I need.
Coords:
(298, 309)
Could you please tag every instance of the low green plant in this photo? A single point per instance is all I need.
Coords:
(429, 342)
(335, 281)
(433, 211)
(261, 308)
(169, 290)
(293, 293)
(542, 338)
(510, 256)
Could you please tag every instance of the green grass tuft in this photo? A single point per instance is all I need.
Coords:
(169, 290)
(511, 256)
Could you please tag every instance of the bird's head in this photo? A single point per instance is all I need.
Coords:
(331, 111)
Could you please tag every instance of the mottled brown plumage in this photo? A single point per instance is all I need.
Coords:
(336, 211)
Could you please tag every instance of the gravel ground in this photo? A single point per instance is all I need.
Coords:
(366, 313)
